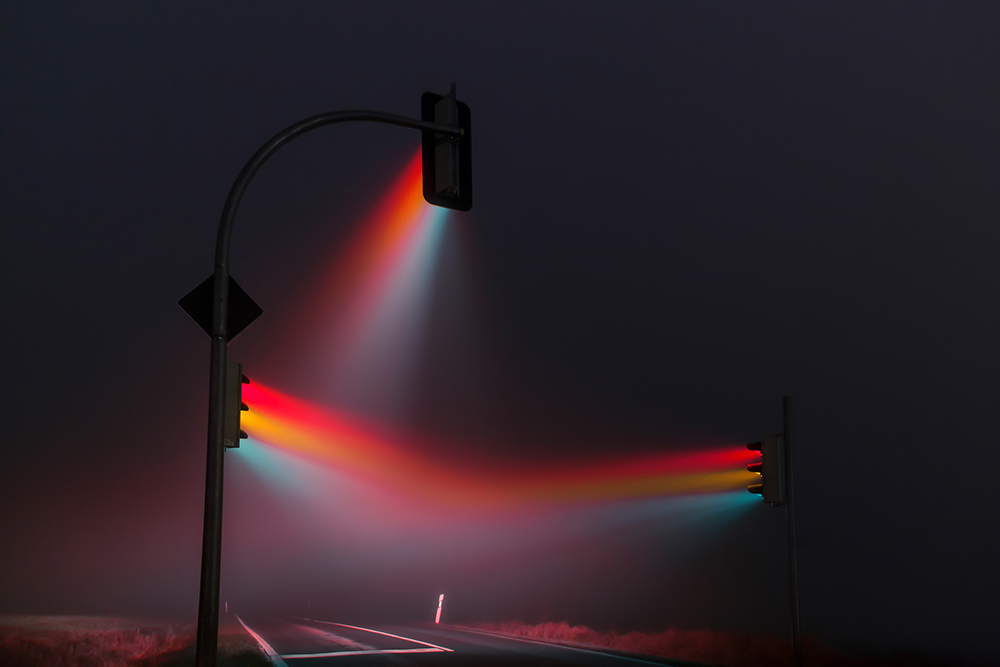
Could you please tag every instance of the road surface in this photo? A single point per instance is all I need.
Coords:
(301, 642)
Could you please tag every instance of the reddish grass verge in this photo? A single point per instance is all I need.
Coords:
(101, 641)
(702, 647)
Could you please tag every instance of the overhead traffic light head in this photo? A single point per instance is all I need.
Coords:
(447, 160)
(234, 405)
(771, 468)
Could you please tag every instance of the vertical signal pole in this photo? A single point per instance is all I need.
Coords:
(206, 646)
(437, 619)
(793, 571)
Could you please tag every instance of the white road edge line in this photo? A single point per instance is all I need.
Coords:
(337, 639)
(337, 654)
(271, 655)
(379, 632)
(572, 648)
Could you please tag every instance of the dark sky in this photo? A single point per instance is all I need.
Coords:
(682, 212)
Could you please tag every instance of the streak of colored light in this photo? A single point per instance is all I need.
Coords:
(369, 310)
(387, 265)
(377, 294)
(388, 224)
(363, 451)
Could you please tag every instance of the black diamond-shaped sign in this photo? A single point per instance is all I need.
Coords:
(242, 309)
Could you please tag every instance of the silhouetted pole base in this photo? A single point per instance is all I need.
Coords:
(793, 570)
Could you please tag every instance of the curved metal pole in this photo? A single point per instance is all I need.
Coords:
(211, 553)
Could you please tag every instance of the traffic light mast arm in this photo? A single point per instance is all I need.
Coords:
(208, 605)
(282, 138)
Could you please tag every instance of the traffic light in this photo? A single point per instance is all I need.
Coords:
(771, 468)
(447, 161)
(234, 405)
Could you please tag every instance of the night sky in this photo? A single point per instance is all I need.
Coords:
(682, 212)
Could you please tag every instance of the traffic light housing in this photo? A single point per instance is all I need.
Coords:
(447, 161)
(771, 468)
(234, 405)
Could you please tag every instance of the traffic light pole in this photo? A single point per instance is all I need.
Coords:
(793, 570)
(211, 555)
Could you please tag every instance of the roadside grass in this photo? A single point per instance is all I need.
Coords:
(104, 641)
(698, 647)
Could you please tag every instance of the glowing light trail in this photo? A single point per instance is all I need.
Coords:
(375, 301)
(360, 450)
(377, 298)
(348, 489)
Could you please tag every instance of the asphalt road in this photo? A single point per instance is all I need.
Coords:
(300, 642)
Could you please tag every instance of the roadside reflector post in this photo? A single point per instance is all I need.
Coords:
(437, 619)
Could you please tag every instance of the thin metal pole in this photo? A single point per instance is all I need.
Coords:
(793, 570)
(211, 551)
